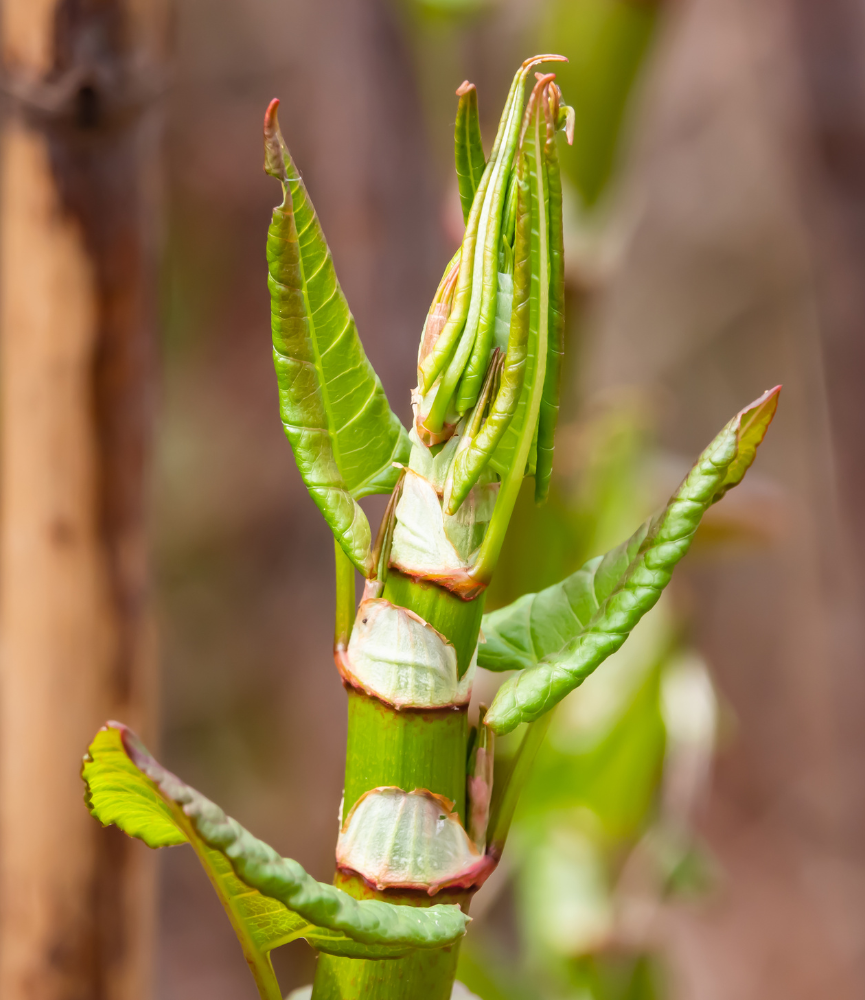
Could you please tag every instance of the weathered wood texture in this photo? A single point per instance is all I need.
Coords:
(78, 200)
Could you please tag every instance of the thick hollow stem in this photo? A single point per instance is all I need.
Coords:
(410, 749)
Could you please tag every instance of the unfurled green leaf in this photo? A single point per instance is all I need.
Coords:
(562, 634)
(335, 414)
(468, 146)
(270, 900)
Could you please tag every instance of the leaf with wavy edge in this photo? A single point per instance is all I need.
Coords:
(468, 146)
(335, 413)
(409, 840)
(270, 900)
(562, 634)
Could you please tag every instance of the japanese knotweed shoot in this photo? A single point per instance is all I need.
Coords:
(425, 814)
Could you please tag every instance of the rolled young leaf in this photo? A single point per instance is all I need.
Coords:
(527, 410)
(335, 414)
(468, 146)
(562, 634)
(270, 900)
(549, 413)
(456, 343)
(520, 438)
(489, 244)
(471, 460)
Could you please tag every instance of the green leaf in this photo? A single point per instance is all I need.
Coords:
(270, 900)
(474, 454)
(527, 409)
(468, 146)
(519, 441)
(559, 636)
(549, 412)
(333, 407)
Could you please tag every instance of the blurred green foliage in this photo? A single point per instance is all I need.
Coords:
(602, 833)
(600, 809)
(606, 42)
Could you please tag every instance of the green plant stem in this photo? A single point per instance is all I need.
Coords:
(426, 974)
(507, 790)
(258, 961)
(410, 749)
(345, 597)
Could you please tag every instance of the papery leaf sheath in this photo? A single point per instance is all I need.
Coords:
(560, 635)
(333, 407)
(468, 146)
(270, 900)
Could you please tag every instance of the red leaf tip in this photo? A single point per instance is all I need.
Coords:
(464, 88)
(270, 122)
(549, 57)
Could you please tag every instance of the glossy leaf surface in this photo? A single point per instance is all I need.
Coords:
(333, 407)
(559, 636)
(270, 900)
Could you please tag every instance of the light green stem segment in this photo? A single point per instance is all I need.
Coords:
(258, 961)
(429, 975)
(345, 597)
(425, 974)
(507, 791)
(409, 749)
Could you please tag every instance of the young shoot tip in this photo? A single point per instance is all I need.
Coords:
(274, 144)
(464, 88)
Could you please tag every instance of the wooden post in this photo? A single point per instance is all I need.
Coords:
(78, 199)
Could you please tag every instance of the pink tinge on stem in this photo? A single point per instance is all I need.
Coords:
(395, 839)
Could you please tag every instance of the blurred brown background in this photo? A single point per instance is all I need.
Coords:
(739, 216)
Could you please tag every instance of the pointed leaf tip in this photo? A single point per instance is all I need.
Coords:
(751, 424)
(270, 121)
(562, 634)
(546, 57)
(274, 145)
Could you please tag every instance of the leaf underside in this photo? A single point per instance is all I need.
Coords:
(270, 900)
(560, 635)
(343, 432)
